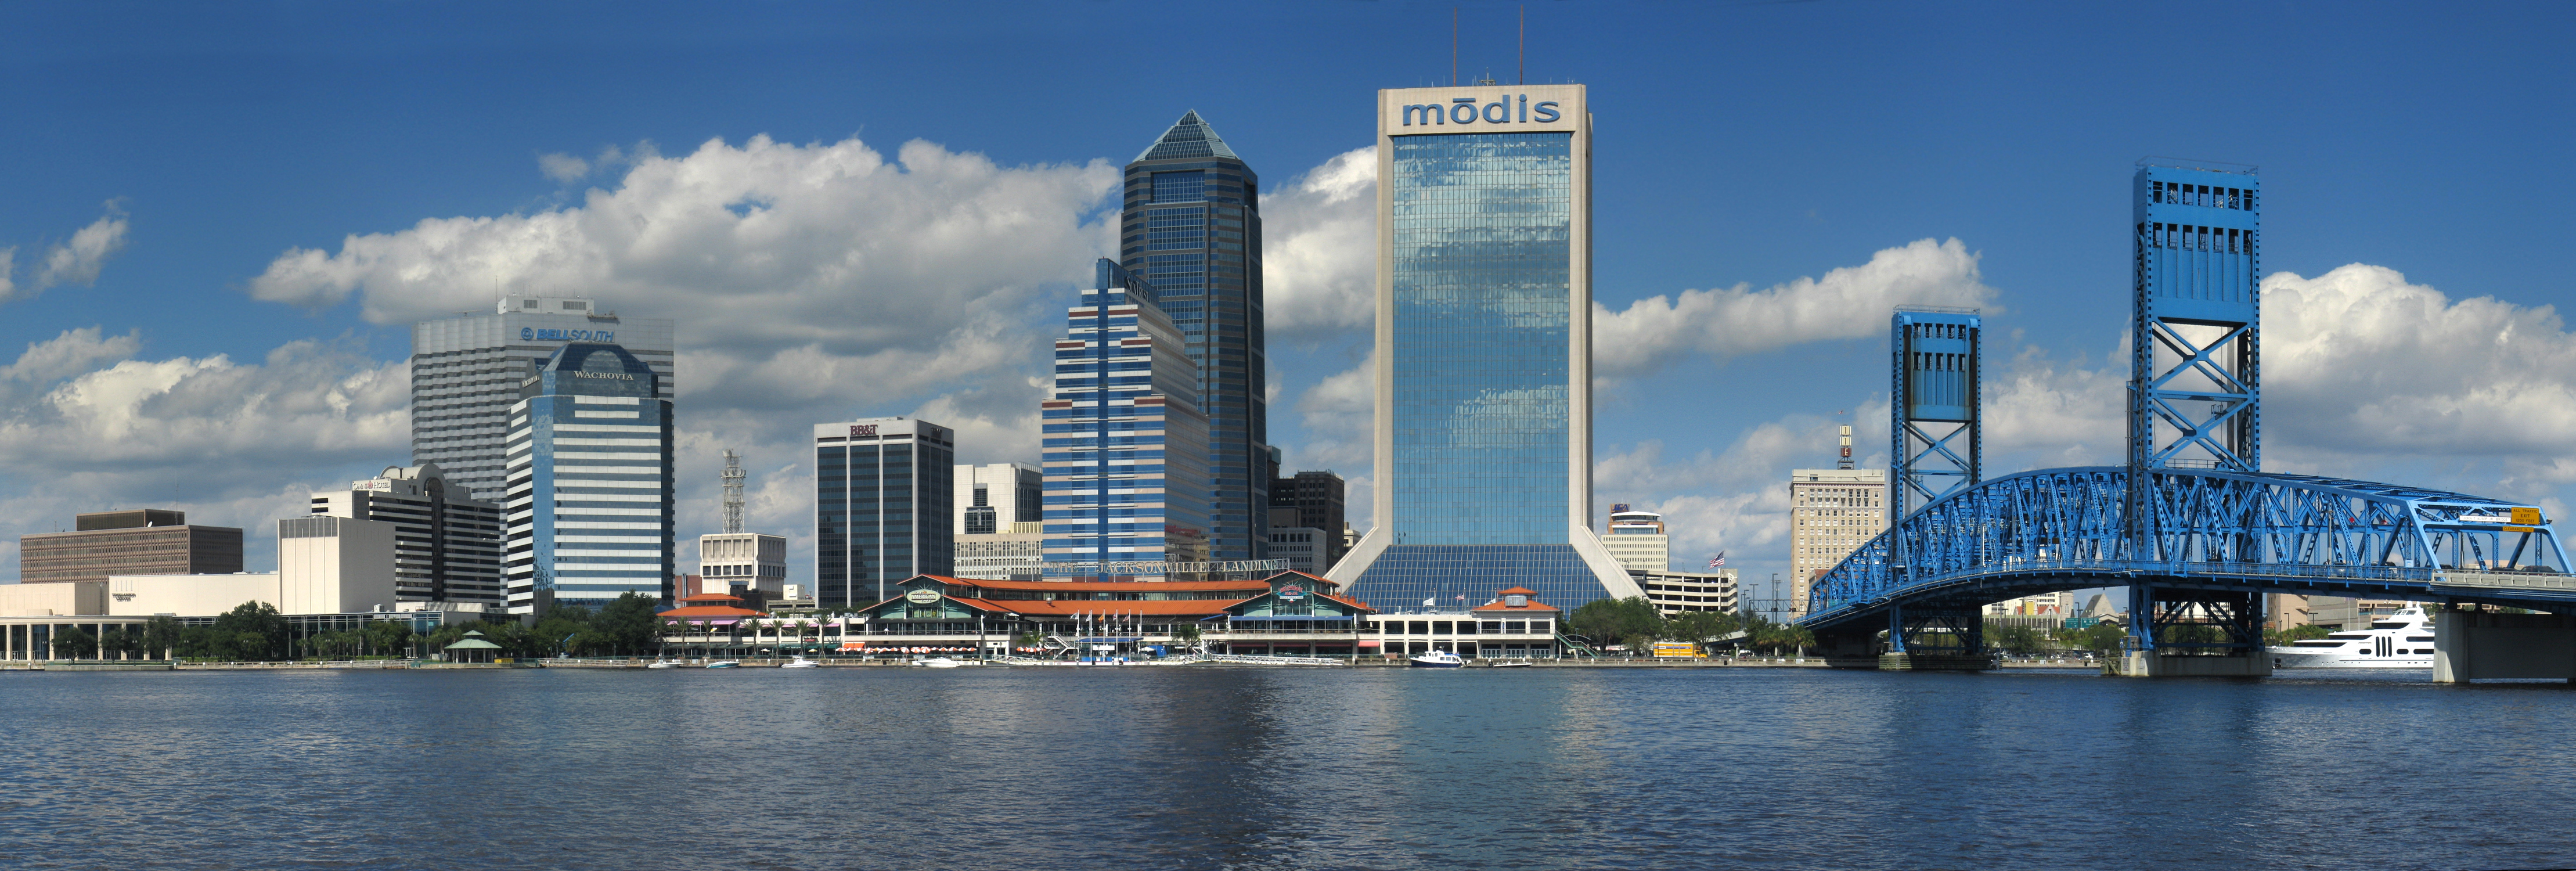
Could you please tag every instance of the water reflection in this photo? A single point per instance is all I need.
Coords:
(1213, 767)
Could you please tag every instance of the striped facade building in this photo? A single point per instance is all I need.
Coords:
(589, 461)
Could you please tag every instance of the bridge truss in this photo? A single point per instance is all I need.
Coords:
(2200, 533)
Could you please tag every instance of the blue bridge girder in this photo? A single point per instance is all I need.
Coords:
(2203, 529)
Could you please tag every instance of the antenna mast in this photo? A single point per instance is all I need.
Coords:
(732, 491)
(1453, 46)
(1524, 76)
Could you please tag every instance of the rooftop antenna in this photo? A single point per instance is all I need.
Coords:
(1453, 46)
(732, 492)
(1524, 55)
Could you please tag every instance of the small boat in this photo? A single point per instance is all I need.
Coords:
(1520, 664)
(800, 662)
(937, 662)
(1436, 659)
(662, 663)
(724, 663)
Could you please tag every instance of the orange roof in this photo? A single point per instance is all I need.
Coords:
(1350, 602)
(1257, 587)
(700, 611)
(711, 597)
(1318, 580)
(1515, 591)
(1069, 607)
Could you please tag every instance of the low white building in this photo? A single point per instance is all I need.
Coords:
(325, 565)
(1017, 553)
(1683, 592)
(738, 562)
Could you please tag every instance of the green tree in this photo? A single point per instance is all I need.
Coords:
(390, 638)
(2101, 638)
(252, 631)
(160, 635)
(2015, 640)
(2295, 633)
(73, 642)
(119, 642)
(628, 625)
(1632, 621)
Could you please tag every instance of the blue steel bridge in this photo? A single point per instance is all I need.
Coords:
(2189, 525)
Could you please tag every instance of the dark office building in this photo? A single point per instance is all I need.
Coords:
(884, 507)
(142, 541)
(1313, 500)
(1192, 227)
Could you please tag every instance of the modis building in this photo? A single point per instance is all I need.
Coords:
(1484, 354)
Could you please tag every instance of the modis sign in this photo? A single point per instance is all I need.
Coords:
(1480, 108)
(1465, 110)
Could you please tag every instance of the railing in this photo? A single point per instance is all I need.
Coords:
(2186, 569)
(1269, 660)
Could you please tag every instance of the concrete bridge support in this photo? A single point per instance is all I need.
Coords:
(2473, 644)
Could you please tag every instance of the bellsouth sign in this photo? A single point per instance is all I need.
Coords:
(532, 334)
(1508, 109)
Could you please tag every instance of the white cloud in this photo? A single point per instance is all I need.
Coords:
(563, 168)
(77, 260)
(1319, 250)
(1847, 303)
(87, 426)
(2358, 359)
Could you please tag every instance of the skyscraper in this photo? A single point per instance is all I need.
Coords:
(1484, 351)
(882, 506)
(1832, 513)
(589, 509)
(1311, 500)
(1126, 446)
(1192, 227)
(465, 374)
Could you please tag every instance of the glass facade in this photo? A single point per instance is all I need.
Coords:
(1483, 428)
(465, 374)
(589, 507)
(883, 507)
(1125, 444)
(1481, 224)
(1192, 227)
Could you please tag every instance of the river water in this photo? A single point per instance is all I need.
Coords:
(1275, 768)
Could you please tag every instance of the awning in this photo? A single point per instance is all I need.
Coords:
(1289, 617)
(1367, 643)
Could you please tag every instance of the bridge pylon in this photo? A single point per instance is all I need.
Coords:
(1936, 426)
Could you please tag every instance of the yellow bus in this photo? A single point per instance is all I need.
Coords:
(1677, 650)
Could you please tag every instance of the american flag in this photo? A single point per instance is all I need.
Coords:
(1461, 597)
(1718, 561)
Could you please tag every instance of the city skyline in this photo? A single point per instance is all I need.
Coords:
(292, 275)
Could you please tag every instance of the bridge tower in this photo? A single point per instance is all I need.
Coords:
(2195, 372)
(2196, 330)
(1936, 430)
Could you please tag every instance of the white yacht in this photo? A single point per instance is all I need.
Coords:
(2404, 640)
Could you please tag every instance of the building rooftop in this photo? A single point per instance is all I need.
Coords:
(1189, 137)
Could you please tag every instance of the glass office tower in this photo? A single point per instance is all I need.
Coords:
(883, 507)
(1192, 226)
(589, 511)
(1484, 298)
(1126, 446)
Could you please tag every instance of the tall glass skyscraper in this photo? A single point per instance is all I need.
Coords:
(1192, 226)
(1126, 446)
(589, 510)
(1484, 350)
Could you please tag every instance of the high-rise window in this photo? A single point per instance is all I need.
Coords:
(1484, 423)
(1192, 227)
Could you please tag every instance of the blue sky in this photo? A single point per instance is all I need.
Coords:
(1742, 149)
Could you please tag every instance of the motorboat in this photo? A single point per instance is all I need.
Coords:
(662, 663)
(2404, 640)
(1515, 664)
(1436, 659)
(800, 662)
(937, 662)
(724, 663)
